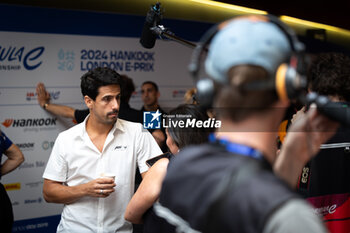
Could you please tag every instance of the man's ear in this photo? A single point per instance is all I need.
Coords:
(281, 103)
(88, 101)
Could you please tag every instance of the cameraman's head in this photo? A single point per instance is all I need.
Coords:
(245, 51)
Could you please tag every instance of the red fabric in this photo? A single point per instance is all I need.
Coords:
(335, 210)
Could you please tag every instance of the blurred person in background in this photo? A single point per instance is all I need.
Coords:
(14, 159)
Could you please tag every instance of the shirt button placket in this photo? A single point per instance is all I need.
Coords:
(100, 216)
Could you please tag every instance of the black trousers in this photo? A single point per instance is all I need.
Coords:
(6, 213)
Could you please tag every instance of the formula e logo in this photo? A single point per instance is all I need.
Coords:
(66, 60)
(151, 120)
(12, 57)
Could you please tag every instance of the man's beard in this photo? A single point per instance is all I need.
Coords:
(112, 120)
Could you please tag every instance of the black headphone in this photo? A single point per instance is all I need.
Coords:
(289, 79)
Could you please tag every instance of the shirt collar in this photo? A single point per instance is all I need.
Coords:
(119, 125)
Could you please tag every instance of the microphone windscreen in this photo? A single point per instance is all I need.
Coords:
(148, 38)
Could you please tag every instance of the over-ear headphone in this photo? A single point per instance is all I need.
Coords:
(289, 80)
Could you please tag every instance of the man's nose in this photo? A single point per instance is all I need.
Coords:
(115, 104)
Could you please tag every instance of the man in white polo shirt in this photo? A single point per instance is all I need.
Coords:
(75, 174)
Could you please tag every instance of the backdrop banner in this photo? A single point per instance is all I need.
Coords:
(31, 54)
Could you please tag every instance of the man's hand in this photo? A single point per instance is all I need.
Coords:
(303, 140)
(310, 130)
(42, 95)
(100, 187)
(57, 192)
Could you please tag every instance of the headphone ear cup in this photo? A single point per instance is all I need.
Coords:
(280, 82)
(205, 92)
(289, 83)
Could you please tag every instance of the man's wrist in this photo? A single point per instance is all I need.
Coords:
(45, 106)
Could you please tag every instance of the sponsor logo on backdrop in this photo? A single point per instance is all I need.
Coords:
(32, 201)
(30, 227)
(137, 94)
(31, 124)
(55, 95)
(46, 145)
(66, 60)
(34, 184)
(15, 203)
(17, 58)
(178, 93)
(324, 210)
(151, 120)
(26, 146)
(12, 186)
(35, 164)
(119, 60)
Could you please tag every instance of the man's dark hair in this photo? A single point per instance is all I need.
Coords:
(329, 74)
(96, 78)
(189, 136)
(236, 103)
(127, 88)
(152, 83)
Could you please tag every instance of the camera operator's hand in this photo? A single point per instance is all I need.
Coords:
(303, 140)
(299, 114)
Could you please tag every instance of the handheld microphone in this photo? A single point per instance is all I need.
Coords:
(336, 111)
(148, 38)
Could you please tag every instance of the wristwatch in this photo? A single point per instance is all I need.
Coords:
(45, 105)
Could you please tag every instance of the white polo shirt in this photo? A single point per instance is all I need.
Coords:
(75, 160)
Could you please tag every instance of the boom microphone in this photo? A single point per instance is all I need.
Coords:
(336, 111)
(148, 38)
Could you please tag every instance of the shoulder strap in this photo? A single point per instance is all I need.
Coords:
(304, 180)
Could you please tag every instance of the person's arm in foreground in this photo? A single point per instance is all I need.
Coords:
(147, 193)
(57, 192)
(159, 137)
(14, 159)
(294, 216)
(302, 142)
(56, 109)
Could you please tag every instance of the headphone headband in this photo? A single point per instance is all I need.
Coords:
(296, 51)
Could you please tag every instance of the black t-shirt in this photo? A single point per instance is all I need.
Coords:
(130, 114)
(329, 171)
(324, 182)
(81, 114)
